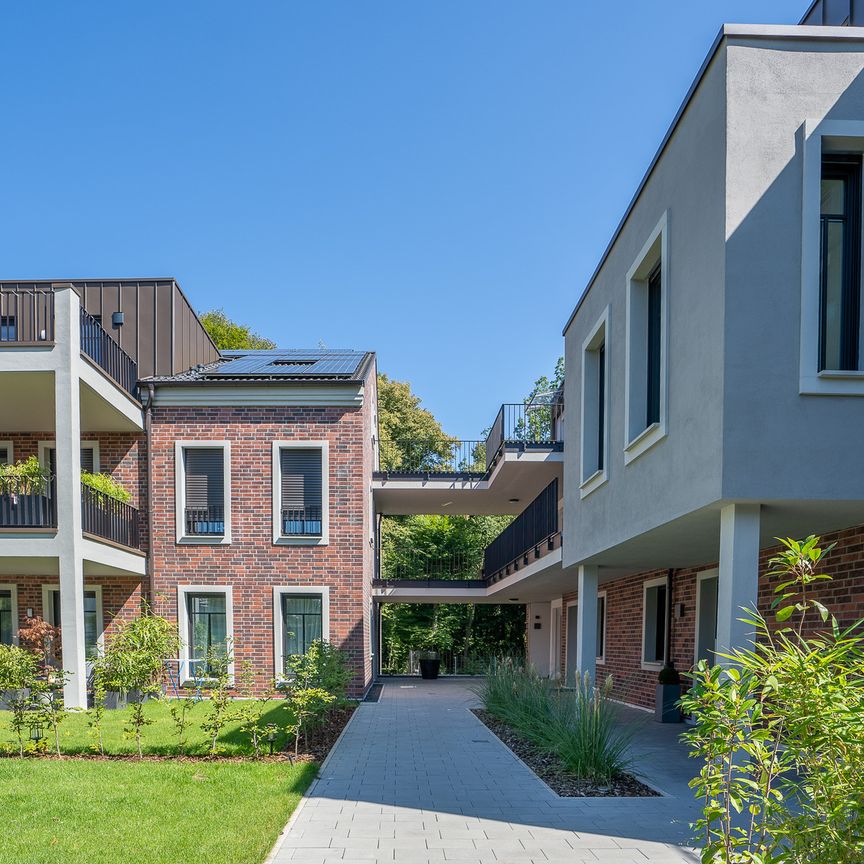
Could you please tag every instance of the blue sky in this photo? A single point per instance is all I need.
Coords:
(434, 181)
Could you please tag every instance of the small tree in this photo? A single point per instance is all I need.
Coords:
(97, 712)
(218, 663)
(252, 710)
(47, 705)
(308, 705)
(19, 669)
(42, 640)
(180, 710)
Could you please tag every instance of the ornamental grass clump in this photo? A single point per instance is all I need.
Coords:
(578, 725)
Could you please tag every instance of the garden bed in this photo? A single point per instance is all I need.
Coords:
(549, 769)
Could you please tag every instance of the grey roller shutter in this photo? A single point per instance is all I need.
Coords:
(205, 477)
(87, 459)
(301, 490)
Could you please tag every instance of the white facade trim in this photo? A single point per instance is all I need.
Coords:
(10, 458)
(652, 665)
(278, 538)
(599, 335)
(13, 597)
(180, 493)
(215, 395)
(278, 591)
(183, 624)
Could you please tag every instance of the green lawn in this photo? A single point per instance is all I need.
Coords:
(103, 812)
(160, 738)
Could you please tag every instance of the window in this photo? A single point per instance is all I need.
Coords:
(8, 615)
(300, 492)
(645, 367)
(89, 456)
(595, 407)
(654, 610)
(93, 619)
(601, 628)
(208, 628)
(301, 614)
(5, 452)
(839, 262)
(203, 491)
(8, 328)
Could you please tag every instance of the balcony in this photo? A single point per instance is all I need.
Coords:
(107, 354)
(26, 317)
(30, 512)
(109, 519)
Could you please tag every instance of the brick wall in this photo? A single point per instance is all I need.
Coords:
(251, 563)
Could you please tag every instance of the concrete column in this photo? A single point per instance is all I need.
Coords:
(67, 430)
(738, 585)
(586, 627)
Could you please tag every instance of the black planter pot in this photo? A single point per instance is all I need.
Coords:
(666, 708)
(429, 669)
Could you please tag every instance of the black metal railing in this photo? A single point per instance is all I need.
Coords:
(520, 423)
(430, 456)
(399, 561)
(301, 522)
(26, 315)
(106, 517)
(27, 511)
(107, 354)
(205, 521)
(536, 524)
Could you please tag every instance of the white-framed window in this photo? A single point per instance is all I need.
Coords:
(601, 627)
(202, 491)
(557, 615)
(6, 453)
(89, 456)
(707, 588)
(655, 609)
(645, 369)
(205, 621)
(301, 614)
(301, 492)
(94, 616)
(8, 614)
(595, 406)
(832, 307)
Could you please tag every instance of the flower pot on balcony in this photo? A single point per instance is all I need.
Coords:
(430, 666)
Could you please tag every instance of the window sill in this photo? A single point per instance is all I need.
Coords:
(600, 661)
(645, 440)
(840, 382)
(595, 481)
(300, 540)
(194, 540)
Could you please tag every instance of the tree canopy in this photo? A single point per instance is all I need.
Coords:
(228, 334)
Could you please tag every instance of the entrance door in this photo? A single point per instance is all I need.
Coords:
(706, 616)
(572, 619)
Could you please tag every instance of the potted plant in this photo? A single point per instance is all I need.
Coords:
(667, 695)
(430, 664)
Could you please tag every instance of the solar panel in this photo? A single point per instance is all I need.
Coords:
(291, 362)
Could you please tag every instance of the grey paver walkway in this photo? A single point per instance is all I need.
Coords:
(417, 778)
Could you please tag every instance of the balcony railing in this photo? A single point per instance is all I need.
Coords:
(107, 354)
(400, 562)
(205, 521)
(26, 316)
(429, 456)
(535, 525)
(109, 518)
(520, 423)
(301, 522)
(27, 511)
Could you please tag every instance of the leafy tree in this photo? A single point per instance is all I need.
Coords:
(228, 334)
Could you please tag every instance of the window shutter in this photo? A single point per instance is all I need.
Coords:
(87, 459)
(205, 477)
(301, 478)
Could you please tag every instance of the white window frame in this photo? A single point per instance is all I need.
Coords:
(278, 591)
(700, 577)
(637, 437)
(9, 452)
(848, 136)
(599, 334)
(45, 446)
(600, 660)
(278, 538)
(48, 608)
(180, 493)
(652, 665)
(13, 593)
(183, 624)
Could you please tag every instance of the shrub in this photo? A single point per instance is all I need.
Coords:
(25, 477)
(579, 725)
(309, 706)
(42, 640)
(322, 666)
(218, 664)
(780, 732)
(19, 669)
(252, 710)
(107, 485)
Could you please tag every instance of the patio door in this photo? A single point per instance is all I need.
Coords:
(572, 647)
(706, 615)
(93, 624)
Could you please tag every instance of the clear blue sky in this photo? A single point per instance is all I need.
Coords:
(431, 180)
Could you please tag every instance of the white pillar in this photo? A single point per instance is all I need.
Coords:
(738, 585)
(586, 626)
(67, 430)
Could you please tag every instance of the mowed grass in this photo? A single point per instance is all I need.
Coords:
(78, 811)
(158, 739)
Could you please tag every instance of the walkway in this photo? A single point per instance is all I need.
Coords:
(417, 778)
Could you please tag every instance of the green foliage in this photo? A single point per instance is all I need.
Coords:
(322, 666)
(309, 707)
(218, 664)
(228, 334)
(24, 477)
(107, 485)
(180, 710)
(46, 707)
(579, 725)
(254, 709)
(18, 672)
(780, 732)
(96, 714)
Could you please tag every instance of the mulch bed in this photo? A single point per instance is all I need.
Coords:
(548, 767)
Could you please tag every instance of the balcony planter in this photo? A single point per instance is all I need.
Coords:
(430, 665)
(667, 694)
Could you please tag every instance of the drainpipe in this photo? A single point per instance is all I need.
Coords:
(667, 648)
(148, 418)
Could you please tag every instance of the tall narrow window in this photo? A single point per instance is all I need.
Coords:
(595, 408)
(601, 626)
(652, 359)
(654, 622)
(601, 407)
(301, 491)
(204, 479)
(302, 623)
(840, 262)
(6, 622)
(208, 628)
